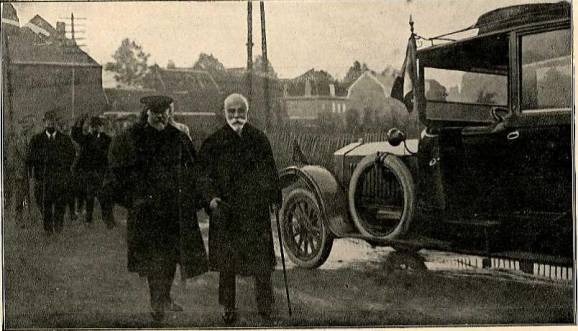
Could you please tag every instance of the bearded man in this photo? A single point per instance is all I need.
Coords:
(153, 174)
(240, 184)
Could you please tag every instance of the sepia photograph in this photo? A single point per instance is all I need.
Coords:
(287, 164)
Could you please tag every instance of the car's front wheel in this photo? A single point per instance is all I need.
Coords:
(306, 238)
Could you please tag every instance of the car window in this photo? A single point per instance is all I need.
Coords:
(546, 71)
(465, 87)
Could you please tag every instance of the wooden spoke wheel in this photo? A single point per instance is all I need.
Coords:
(306, 238)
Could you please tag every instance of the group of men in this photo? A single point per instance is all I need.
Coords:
(59, 171)
(153, 170)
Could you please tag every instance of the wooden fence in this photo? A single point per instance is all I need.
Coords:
(318, 148)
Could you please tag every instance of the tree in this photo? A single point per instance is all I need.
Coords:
(356, 70)
(150, 80)
(208, 62)
(258, 66)
(130, 63)
(390, 71)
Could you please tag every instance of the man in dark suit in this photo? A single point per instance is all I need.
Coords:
(50, 158)
(92, 165)
(153, 174)
(240, 184)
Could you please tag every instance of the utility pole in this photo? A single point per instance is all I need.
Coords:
(250, 51)
(73, 73)
(265, 66)
(72, 48)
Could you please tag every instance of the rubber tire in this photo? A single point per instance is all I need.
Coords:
(326, 236)
(404, 176)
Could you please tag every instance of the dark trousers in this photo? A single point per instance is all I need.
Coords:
(75, 202)
(52, 204)
(263, 290)
(160, 286)
(92, 182)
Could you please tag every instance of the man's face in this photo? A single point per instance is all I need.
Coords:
(96, 128)
(236, 114)
(158, 120)
(50, 123)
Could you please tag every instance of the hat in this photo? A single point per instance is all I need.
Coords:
(156, 103)
(51, 115)
(96, 121)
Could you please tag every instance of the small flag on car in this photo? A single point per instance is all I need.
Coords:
(404, 85)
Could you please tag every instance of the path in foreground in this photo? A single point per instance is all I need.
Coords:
(80, 280)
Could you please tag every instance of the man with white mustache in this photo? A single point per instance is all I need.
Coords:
(240, 183)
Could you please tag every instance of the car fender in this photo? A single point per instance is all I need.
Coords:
(406, 148)
(328, 192)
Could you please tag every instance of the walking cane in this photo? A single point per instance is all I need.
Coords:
(276, 211)
(28, 202)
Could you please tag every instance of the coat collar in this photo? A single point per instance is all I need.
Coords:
(230, 133)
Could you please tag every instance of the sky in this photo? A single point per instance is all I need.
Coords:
(325, 35)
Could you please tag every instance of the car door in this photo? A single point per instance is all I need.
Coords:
(539, 185)
(541, 123)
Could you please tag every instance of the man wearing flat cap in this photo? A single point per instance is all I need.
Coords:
(153, 168)
(240, 184)
(50, 157)
(92, 165)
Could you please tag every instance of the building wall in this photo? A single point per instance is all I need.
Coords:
(313, 107)
(320, 112)
(35, 89)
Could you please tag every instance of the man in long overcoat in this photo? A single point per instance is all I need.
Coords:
(17, 179)
(92, 165)
(153, 174)
(50, 158)
(240, 184)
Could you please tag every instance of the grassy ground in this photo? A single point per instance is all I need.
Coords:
(79, 279)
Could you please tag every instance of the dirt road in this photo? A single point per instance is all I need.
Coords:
(80, 280)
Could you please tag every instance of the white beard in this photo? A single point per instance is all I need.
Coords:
(236, 126)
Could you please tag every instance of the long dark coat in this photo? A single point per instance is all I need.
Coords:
(93, 150)
(153, 174)
(51, 161)
(241, 171)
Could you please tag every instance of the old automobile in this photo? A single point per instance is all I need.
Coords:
(490, 172)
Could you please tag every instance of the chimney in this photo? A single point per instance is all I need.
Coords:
(332, 90)
(307, 88)
(60, 30)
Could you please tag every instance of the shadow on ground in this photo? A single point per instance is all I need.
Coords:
(80, 280)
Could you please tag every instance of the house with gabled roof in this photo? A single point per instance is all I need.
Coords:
(42, 70)
(314, 98)
(192, 90)
(372, 106)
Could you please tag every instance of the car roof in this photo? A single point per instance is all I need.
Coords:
(507, 19)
